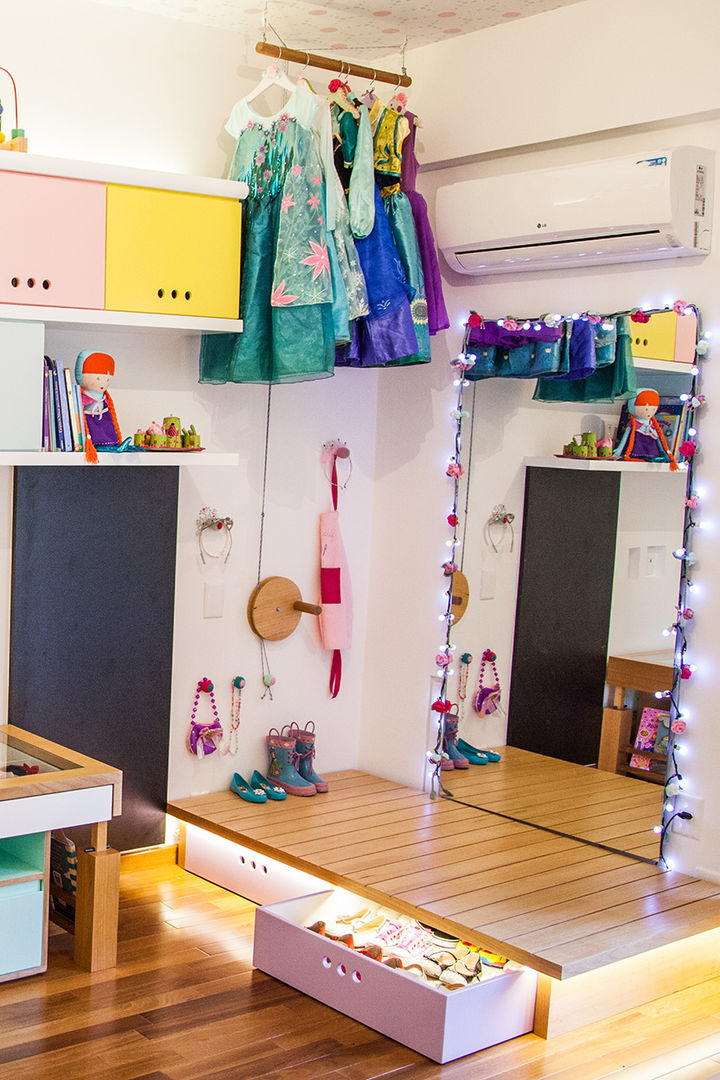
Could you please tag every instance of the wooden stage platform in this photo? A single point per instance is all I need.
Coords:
(558, 905)
(601, 807)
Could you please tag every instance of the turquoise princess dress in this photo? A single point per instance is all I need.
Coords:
(286, 289)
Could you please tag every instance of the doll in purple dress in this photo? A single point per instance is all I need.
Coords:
(93, 372)
(643, 438)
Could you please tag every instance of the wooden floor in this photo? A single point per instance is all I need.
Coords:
(185, 1004)
(560, 906)
(602, 807)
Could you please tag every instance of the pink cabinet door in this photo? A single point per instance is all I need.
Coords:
(52, 249)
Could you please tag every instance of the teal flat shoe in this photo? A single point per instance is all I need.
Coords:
(241, 787)
(272, 791)
(475, 756)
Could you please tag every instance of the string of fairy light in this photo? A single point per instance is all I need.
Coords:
(683, 669)
(454, 470)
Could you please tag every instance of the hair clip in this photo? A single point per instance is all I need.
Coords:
(500, 516)
(208, 519)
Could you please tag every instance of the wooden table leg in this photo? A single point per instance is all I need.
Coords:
(96, 910)
(616, 732)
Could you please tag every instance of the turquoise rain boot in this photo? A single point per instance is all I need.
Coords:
(282, 765)
(305, 747)
(450, 744)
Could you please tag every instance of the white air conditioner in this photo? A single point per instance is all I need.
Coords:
(624, 209)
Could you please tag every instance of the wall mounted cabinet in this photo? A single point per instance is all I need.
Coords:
(53, 244)
(88, 246)
(172, 253)
(100, 237)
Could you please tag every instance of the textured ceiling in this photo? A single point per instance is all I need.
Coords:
(341, 25)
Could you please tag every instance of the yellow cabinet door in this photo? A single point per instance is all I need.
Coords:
(667, 337)
(172, 253)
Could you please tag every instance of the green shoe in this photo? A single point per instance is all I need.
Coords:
(272, 791)
(475, 756)
(251, 794)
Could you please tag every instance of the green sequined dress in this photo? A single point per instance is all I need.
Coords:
(286, 290)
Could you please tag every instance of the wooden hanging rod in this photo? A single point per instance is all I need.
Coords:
(329, 63)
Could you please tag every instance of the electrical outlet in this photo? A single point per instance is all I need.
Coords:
(655, 560)
(694, 806)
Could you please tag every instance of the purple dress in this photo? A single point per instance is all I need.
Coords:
(437, 313)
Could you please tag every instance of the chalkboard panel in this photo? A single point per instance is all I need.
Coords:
(562, 616)
(93, 588)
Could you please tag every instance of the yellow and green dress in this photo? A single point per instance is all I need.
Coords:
(390, 129)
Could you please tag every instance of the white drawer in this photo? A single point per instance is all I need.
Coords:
(441, 1024)
(256, 877)
(56, 810)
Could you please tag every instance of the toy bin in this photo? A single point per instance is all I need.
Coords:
(441, 1024)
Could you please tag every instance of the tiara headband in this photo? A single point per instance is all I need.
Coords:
(500, 516)
(208, 519)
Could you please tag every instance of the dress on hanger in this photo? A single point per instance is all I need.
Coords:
(390, 129)
(350, 300)
(286, 289)
(387, 335)
(610, 381)
(437, 312)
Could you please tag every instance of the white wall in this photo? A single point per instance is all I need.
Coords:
(104, 84)
(646, 578)
(583, 69)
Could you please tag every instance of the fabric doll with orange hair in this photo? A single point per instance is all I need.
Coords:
(93, 372)
(643, 438)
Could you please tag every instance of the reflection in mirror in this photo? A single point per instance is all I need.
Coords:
(586, 736)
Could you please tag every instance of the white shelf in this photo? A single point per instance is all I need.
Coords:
(87, 318)
(601, 465)
(40, 457)
(122, 174)
(669, 367)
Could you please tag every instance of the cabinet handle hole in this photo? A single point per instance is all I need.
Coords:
(31, 283)
(174, 294)
(188, 295)
(15, 282)
(46, 284)
(161, 293)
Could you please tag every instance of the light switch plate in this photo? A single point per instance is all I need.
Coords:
(213, 600)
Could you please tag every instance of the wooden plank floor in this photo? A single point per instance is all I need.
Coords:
(560, 906)
(601, 807)
(184, 1003)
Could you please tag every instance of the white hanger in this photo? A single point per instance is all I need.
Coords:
(272, 77)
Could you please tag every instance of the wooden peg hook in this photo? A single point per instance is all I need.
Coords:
(275, 607)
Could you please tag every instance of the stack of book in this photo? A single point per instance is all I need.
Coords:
(63, 423)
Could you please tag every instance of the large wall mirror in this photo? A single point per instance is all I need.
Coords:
(595, 584)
